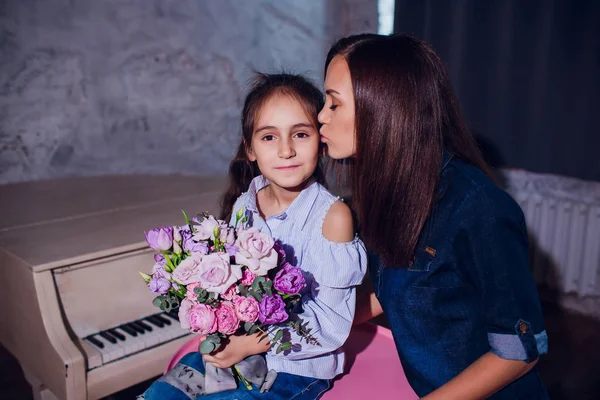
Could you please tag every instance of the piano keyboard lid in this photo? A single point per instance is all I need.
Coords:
(50, 224)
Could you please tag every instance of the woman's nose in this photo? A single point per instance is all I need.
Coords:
(323, 117)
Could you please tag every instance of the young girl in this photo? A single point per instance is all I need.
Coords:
(277, 165)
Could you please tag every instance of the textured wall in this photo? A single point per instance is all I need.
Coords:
(138, 86)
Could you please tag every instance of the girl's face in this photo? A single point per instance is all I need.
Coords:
(285, 143)
(338, 131)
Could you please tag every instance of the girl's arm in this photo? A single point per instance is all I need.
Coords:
(237, 348)
(329, 313)
(367, 305)
(481, 379)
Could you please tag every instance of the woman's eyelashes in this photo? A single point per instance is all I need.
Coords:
(332, 107)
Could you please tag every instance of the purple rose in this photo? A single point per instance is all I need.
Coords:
(231, 249)
(159, 269)
(271, 310)
(279, 249)
(160, 239)
(159, 284)
(289, 279)
(159, 258)
(191, 246)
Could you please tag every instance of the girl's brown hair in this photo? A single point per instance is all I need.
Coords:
(263, 88)
(407, 115)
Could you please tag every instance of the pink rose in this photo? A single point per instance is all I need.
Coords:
(247, 277)
(217, 274)
(188, 271)
(190, 295)
(246, 308)
(226, 234)
(255, 250)
(205, 230)
(197, 317)
(227, 320)
(230, 293)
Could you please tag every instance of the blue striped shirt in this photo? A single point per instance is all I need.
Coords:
(332, 271)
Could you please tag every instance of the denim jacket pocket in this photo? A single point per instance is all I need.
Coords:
(422, 260)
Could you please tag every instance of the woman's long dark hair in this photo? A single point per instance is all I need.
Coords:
(407, 115)
(263, 87)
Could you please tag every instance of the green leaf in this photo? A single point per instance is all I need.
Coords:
(243, 289)
(248, 326)
(278, 336)
(253, 329)
(268, 287)
(207, 347)
(286, 346)
(279, 349)
(257, 282)
(187, 219)
(158, 301)
(257, 296)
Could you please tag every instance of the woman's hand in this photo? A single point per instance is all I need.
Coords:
(236, 348)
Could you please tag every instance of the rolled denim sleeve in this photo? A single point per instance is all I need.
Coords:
(493, 243)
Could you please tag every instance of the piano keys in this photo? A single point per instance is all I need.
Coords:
(79, 319)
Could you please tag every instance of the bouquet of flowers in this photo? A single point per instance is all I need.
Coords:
(225, 280)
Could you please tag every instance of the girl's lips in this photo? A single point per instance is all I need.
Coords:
(287, 167)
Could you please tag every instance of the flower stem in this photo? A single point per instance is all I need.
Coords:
(244, 380)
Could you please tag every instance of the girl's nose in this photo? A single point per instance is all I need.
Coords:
(286, 149)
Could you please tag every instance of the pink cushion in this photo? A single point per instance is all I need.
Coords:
(372, 365)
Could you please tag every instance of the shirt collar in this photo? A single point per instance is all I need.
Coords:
(300, 207)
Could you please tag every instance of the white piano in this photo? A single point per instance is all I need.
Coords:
(77, 315)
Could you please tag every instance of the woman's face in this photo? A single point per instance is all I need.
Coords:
(337, 116)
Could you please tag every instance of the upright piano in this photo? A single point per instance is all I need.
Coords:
(77, 315)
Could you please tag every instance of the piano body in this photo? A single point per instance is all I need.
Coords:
(77, 315)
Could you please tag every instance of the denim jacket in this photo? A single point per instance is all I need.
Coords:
(468, 290)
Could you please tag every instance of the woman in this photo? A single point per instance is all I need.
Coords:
(448, 247)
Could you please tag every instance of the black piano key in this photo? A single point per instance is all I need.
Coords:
(143, 325)
(117, 334)
(108, 337)
(162, 319)
(135, 325)
(95, 341)
(154, 321)
(129, 330)
(173, 316)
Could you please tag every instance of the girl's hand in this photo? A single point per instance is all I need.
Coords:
(236, 349)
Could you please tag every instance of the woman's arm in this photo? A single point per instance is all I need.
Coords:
(482, 379)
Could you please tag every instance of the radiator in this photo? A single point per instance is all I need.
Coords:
(563, 219)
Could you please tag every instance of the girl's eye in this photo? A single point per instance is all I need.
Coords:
(333, 107)
(267, 138)
(302, 135)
